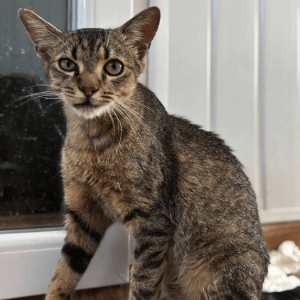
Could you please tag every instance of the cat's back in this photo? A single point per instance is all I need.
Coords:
(215, 200)
(189, 137)
(211, 179)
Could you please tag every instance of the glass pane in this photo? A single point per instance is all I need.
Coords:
(31, 123)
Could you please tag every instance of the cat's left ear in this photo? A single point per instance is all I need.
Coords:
(42, 33)
(141, 29)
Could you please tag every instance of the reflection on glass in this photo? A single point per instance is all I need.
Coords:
(31, 124)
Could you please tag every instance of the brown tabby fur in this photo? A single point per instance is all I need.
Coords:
(177, 188)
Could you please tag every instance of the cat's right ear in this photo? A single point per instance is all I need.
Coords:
(42, 33)
(141, 29)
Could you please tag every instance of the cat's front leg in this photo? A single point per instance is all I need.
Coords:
(152, 239)
(86, 224)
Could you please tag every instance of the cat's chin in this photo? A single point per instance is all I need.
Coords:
(90, 112)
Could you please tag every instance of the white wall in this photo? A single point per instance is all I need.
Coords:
(232, 66)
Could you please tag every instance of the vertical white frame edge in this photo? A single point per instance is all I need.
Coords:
(158, 74)
(297, 175)
(82, 11)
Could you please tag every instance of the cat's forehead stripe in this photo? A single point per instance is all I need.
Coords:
(97, 46)
(90, 41)
(74, 52)
(101, 52)
(106, 50)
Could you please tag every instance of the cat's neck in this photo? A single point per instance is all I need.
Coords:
(111, 127)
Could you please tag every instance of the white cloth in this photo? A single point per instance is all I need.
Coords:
(284, 262)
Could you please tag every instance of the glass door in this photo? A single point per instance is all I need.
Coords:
(32, 124)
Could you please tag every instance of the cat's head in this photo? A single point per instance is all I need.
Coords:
(90, 69)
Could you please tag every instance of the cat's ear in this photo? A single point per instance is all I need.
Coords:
(41, 32)
(141, 29)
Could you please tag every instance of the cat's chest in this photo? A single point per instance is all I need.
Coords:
(89, 166)
(106, 182)
(117, 173)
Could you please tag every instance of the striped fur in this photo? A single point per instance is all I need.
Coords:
(178, 189)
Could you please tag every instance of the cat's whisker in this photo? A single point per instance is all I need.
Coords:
(49, 95)
(25, 102)
(112, 121)
(121, 113)
(127, 117)
(130, 121)
(31, 96)
(138, 117)
(50, 98)
(133, 112)
(139, 103)
(38, 93)
(113, 125)
(42, 84)
(121, 129)
(56, 102)
(35, 98)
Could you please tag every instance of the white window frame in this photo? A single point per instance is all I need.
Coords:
(27, 257)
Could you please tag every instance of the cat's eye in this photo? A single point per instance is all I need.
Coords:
(67, 65)
(114, 67)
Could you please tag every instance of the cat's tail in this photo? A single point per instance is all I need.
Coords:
(286, 295)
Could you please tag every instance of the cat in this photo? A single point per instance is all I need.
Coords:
(178, 189)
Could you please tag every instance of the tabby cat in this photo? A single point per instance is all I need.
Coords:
(177, 189)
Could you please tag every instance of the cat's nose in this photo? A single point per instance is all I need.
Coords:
(88, 90)
(88, 84)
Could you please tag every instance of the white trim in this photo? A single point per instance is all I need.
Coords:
(297, 147)
(158, 78)
(256, 109)
(107, 14)
(209, 63)
(287, 214)
(104, 14)
(82, 13)
(212, 117)
(28, 259)
(136, 7)
(260, 169)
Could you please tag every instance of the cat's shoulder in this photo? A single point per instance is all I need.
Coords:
(146, 95)
(154, 109)
(205, 142)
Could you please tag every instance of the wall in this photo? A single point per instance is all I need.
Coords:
(233, 67)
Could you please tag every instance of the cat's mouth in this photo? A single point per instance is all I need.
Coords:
(88, 109)
(84, 104)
